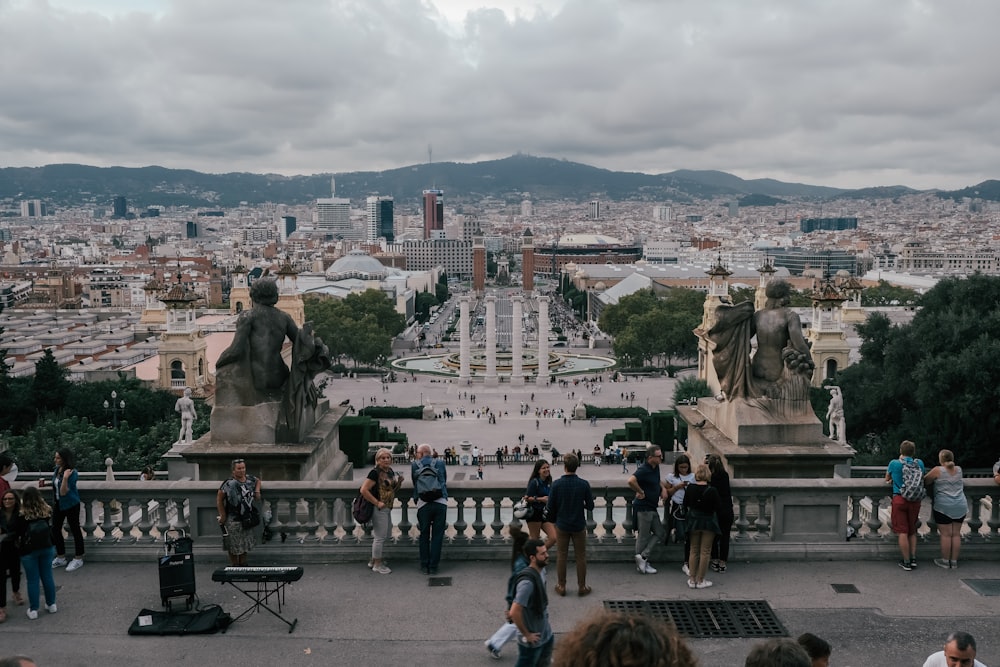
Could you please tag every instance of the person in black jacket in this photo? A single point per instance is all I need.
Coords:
(702, 502)
(725, 515)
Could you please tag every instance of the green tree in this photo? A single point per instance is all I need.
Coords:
(885, 294)
(342, 324)
(423, 303)
(49, 387)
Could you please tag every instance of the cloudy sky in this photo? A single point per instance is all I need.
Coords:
(846, 93)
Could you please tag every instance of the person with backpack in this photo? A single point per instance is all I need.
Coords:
(530, 609)
(34, 545)
(430, 494)
(906, 474)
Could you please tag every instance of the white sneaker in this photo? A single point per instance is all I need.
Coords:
(703, 584)
(685, 570)
(51, 608)
(74, 564)
(58, 561)
(32, 614)
(691, 584)
(640, 564)
(649, 569)
(371, 563)
(381, 569)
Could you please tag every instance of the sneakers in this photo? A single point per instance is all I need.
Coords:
(74, 564)
(494, 652)
(58, 561)
(913, 563)
(648, 569)
(943, 563)
(51, 608)
(905, 565)
(381, 569)
(953, 563)
(704, 584)
(32, 614)
(691, 584)
(371, 563)
(640, 564)
(685, 570)
(717, 566)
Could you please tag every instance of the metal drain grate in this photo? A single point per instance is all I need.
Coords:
(709, 619)
(845, 588)
(985, 587)
(439, 581)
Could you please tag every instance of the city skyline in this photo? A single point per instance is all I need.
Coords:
(845, 95)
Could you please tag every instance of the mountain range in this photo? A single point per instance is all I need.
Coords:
(508, 180)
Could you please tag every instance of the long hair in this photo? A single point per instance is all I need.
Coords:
(33, 506)
(683, 458)
(69, 461)
(17, 501)
(538, 466)
(518, 538)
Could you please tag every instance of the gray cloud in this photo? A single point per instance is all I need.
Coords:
(851, 93)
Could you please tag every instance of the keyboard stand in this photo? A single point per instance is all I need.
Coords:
(260, 595)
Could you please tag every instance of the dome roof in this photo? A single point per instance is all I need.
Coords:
(357, 264)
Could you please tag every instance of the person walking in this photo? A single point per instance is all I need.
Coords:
(702, 502)
(569, 501)
(725, 515)
(649, 489)
(34, 538)
(537, 495)
(949, 507)
(530, 609)
(430, 494)
(234, 501)
(379, 488)
(10, 561)
(66, 508)
(518, 561)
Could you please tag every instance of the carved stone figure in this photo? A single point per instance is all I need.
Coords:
(780, 369)
(185, 406)
(835, 416)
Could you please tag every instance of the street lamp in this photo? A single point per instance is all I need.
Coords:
(114, 407)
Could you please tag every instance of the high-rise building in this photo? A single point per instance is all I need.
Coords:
(191, 229)
(333, 217)
(595, 210)
(380, 220)
(528, 261)
(120, 205)
(527, 209)
(661, 213)
(32, 208)
(287, 227)
(433, 214)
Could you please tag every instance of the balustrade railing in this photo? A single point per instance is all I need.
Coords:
(312, 520)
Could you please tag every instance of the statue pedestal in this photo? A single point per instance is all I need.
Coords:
(753, 444)
(318, 456)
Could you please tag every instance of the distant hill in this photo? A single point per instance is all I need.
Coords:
(986, 190)
(507, 180)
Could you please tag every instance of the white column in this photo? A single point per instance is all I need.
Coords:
(491, 340)
(517, 341)
(463, 337)
(543, 341)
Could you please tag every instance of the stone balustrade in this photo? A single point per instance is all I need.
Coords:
(311, 521)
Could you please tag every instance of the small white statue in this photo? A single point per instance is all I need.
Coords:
(835, 415)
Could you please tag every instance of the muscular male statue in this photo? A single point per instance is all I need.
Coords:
(185, 406)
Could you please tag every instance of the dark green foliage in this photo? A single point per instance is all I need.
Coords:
(647, 328)
(615, 413)
(49, 386)
(885, 294)
(392, 412)
(360, 327)
(689, 387)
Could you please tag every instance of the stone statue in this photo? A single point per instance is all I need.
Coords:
(780, 369)
(251, 371)
(835, 415)
(185, 406)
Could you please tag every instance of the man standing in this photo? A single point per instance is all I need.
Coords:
(906, 476)
(530, 609)
(649, 488)
(569, 500)
(959, 651)
(430, 493)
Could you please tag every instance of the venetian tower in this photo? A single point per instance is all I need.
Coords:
(239, 293)
(826, 337)
(289, 299)
(527, 262)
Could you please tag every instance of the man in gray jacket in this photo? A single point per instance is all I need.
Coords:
(530, 609)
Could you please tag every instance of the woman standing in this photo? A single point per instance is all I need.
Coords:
(34, 540)
(10, 563)
(725, 515)
(379, 488)
(66, 506)
(949, 507)
(677, 482)
(235, 499)
(537, 494)
(702, 502)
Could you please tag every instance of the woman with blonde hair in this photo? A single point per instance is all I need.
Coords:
(379, 488)
(949, 507)
(702, 502)
(34, 541)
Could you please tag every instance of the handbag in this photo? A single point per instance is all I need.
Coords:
(362, 510)
(678, 511)
(521, 509)
(251, 518)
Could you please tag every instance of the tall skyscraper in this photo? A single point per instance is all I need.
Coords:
(287, 226)
(32, 208)
(120, 205)
(661, 213)
(595, 210)
(380, 220)
(433, 214)
(333, 217)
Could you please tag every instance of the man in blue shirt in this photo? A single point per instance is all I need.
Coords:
(432, 515)
(569, 501)
(649, 488)
(904, 512)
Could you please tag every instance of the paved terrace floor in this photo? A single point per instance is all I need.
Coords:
(350, 616)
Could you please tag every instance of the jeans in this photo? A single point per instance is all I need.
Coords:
(649, 532)
(381, 528)
(579, 539)
(504, 634)
(431, 519)
(38, 566)
(72, 517)
(539, 655)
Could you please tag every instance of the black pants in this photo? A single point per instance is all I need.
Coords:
(72, 517)
(720, 548)
(10, 566)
